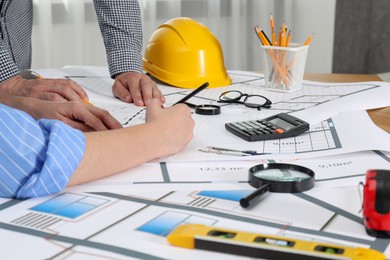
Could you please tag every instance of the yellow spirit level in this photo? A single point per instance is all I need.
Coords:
(263, 246)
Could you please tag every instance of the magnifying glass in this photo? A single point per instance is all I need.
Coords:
(205, 109)
(277, 177)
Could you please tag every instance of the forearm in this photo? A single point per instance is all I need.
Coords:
(114, 151)
(27, 105)
(166, 131)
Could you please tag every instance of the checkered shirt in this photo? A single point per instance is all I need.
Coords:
(119, 21)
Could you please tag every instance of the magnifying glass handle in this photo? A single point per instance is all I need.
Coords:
(246, 202)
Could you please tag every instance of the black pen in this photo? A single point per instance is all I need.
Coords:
(193, 93)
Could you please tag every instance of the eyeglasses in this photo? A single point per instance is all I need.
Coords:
(253, 101)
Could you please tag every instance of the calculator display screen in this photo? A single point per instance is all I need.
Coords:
(281, 123)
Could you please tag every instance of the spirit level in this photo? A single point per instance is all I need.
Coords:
(263, 246)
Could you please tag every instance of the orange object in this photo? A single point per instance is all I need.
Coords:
(258, 33)
(288, 38)
(86, 101)
(308, 39)
(272, 24)
(280, 37)
(263, 37)
(284, 35)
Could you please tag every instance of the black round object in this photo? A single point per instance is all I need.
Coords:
(277, 177)
(282, 177)
(208, 109)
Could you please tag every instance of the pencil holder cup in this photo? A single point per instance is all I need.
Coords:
(284, 67)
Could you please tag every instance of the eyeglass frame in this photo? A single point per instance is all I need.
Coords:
(267, 103)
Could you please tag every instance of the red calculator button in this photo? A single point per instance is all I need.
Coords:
(279, 131)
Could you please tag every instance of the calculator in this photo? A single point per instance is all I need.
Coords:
(274, 127)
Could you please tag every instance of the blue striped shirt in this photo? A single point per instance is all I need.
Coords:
(37, 158)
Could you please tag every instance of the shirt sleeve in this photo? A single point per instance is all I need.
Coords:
(121, 27)
(37, 157)
(8, 68)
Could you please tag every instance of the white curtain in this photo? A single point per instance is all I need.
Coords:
(66, 32)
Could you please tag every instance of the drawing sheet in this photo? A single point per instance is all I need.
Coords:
(334, 136)
(325, 99)
(127, 215)
(319, 99)
(344, 170)
(77, 225)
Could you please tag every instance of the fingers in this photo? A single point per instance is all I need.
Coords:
(148, 89)
(45, 89)
(86, 117)
(66, 89)
(127, 87)
(96, 118)
(120, 91)
(155, 103)
(78, 125)
(157, 94)
(105, 118)
(153, 108)
(50, 96)
(48, 89)
(74, 88)
(136, 87)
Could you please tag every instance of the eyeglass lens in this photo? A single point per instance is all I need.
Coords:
(253, 101)
(230, 95)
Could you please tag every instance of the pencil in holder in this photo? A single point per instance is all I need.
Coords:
(284, 66)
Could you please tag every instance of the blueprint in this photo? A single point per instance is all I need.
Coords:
(325, 106)
(101, 225)
(332, 171)
(327, 99)
(129, 215)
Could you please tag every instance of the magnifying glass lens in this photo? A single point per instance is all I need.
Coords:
(277, 177)
(282, 175)
(208, 108)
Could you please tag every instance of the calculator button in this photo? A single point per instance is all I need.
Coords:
(239, 126)
(279, 131)
(250, 133)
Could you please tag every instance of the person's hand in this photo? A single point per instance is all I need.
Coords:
(137, 88)
(174, 125)
(76, 114)
(45, 89)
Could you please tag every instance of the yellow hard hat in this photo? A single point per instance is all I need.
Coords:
(184, 53)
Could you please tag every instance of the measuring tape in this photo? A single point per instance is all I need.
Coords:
(263, 246)
(376, 203)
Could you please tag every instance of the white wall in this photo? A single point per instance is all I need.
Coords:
(316, 17)
(66, 31)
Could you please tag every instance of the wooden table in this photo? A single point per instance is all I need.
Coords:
(380, 116)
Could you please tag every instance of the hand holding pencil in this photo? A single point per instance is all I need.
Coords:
(45, 89)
